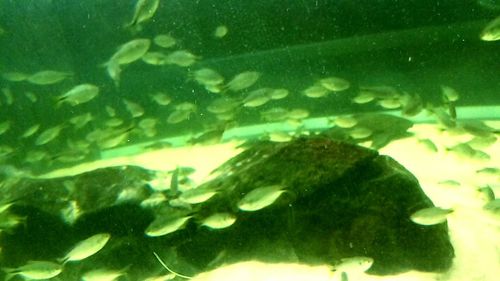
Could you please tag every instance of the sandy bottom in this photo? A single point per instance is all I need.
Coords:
(474, 232)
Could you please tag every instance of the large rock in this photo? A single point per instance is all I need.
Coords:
(344, 201)
(341, 200)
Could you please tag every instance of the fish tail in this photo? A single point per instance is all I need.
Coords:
(10, 273)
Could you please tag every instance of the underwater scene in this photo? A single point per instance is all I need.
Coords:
(265, 140)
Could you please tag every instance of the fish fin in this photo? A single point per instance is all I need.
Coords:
(170, 270)
(10, 273)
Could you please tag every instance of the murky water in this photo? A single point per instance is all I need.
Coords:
(163, 84)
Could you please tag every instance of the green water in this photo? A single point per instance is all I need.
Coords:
(414, 46)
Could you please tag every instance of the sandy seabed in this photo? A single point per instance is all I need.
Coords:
(474, 232)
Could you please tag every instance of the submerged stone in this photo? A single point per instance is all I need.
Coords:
(342, 200)
(333, 200)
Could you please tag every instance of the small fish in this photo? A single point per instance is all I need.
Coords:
(443, 117)
(197, 195)
(243, 80)
(223, 105)
(110, 111)
(155, 58)
(494, 171)
(345, 121)
(207, 77)
(174, 181)
(219, 220)
(4, 126)
(9, 97)
(392, 103)
(15, 76)
(113, 122)
(154, 200)
(178, 116)
(30, 131)
(114, 71)
(113, 138)
(161, 98)
(257, 98)
(135, 109)
(79, 94)
(316, 91)
(165, 225)
(466, 151)
(80, 121)
(35, 270)
(130, 52)
(360, 133)
(34, 156)
(143, 11)
(429, 145)
(103, 274)
(182, 58)
(449, 183)
(279, 136)
(220, 31)
(48, 77)
(186, 106)
(87, 247)
(411, 104)
(148, 123)
(49, 135)
(354, 264)
(449, 94)
(334, 84)
(277, 94)
(430, 216)
(260, 198)
(31, 96)
(164, 40)
(298, 113)
(492, 31)
(363, 97)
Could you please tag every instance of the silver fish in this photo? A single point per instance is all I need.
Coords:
(48, 77)
(243, 80)
(103, 274)
(354, 264)
(260, 198)
(79, 94)
(49, 135)
(87, 247)
(130, 51)
(162, 226)
(143, 11)
(219, 220)
(335, 84)
(197, 195)
(35, 270)
(430, 216)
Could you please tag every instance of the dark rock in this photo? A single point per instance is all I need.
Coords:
(90, 191)
(347, 201)
(342, 200)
